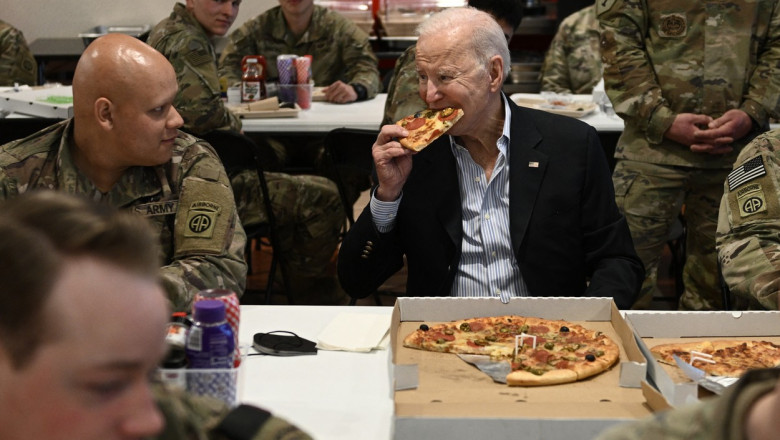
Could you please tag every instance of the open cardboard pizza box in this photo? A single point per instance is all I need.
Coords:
(437, 395)
(44, 102)
(655, 328)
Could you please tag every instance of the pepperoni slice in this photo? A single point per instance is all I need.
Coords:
(414, 124)
(447, 114)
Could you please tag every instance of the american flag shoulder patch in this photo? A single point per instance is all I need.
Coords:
(746, 172)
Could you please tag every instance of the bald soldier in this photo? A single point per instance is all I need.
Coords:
(123, 148)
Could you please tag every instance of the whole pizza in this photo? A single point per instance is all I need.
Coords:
(540, 351)
(730, 358)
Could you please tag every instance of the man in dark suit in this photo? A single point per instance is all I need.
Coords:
(514, 202)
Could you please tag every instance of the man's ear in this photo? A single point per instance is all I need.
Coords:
(496, 71)
(104, 113)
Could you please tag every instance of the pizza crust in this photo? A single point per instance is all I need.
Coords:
(554, 377)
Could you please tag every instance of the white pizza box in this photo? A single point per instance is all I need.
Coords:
(44, 102)
(660, 327)
(437, 395)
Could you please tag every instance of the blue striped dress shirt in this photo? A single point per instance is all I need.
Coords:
(487, 264)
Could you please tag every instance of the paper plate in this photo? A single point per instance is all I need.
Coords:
(244, 113)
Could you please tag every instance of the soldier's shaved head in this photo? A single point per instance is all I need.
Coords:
(115, 66)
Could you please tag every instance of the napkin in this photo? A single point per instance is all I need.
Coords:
(264, 104)
(355, 332)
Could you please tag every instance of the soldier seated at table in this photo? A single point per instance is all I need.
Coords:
(307, 208)
(123, 148)
(81, 319)
(342, 62)
(747, 239)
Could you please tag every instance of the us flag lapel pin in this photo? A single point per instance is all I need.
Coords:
(533, 164)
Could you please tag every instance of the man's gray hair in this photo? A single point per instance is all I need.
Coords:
(485, 37)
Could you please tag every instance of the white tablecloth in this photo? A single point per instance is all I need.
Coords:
(333, 395)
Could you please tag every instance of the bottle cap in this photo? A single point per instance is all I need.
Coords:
(209, 310)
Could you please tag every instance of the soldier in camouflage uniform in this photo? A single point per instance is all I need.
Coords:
(573, 61)
(694, 83)
(123, 149)
(307, 209)
(747, 240)
(403, 96)
(188, 46)
(17, 64)
(749, 409)
(81, 311)
(342, 56)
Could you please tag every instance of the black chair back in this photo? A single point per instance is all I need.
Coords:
(238, 152)
(12, 129)
(352, 165)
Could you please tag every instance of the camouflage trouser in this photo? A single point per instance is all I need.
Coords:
(309, 218)
(651, 197)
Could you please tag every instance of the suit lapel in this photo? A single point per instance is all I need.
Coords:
(526, 171)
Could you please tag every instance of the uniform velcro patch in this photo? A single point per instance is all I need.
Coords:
(746, 172)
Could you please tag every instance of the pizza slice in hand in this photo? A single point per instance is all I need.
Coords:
(426, 126)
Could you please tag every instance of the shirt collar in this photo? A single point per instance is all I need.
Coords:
(503, 141)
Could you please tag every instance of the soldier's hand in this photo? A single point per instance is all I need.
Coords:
(685, 126)
(393, 162)
(340, 93)
(722, 132)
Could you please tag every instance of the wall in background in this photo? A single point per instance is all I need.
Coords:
(68, 18)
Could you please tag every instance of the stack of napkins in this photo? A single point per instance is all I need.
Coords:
(355, 332)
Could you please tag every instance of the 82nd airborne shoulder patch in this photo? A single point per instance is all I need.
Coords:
(201, 219)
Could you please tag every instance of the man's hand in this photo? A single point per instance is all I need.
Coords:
(340, 93)
(722, 132)
(685, 127)
(393, 162)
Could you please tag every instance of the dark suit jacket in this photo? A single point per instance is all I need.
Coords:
(566, 229)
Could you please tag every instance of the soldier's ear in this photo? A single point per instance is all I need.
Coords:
(104, 112)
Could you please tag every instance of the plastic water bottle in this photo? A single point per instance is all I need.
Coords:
(210, 348)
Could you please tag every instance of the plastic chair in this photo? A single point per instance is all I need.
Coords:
(237, 153)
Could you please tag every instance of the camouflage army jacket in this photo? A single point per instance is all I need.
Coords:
(717, 418)
(339, 48)
(189, 417)
(573, 61)
(403, 92)
(188, 200)
(747, 240)
(184, 42)
(16, 61)
(666, 57)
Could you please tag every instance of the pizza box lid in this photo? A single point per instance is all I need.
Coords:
(45, 102)
(449, 398)
(661, 327)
